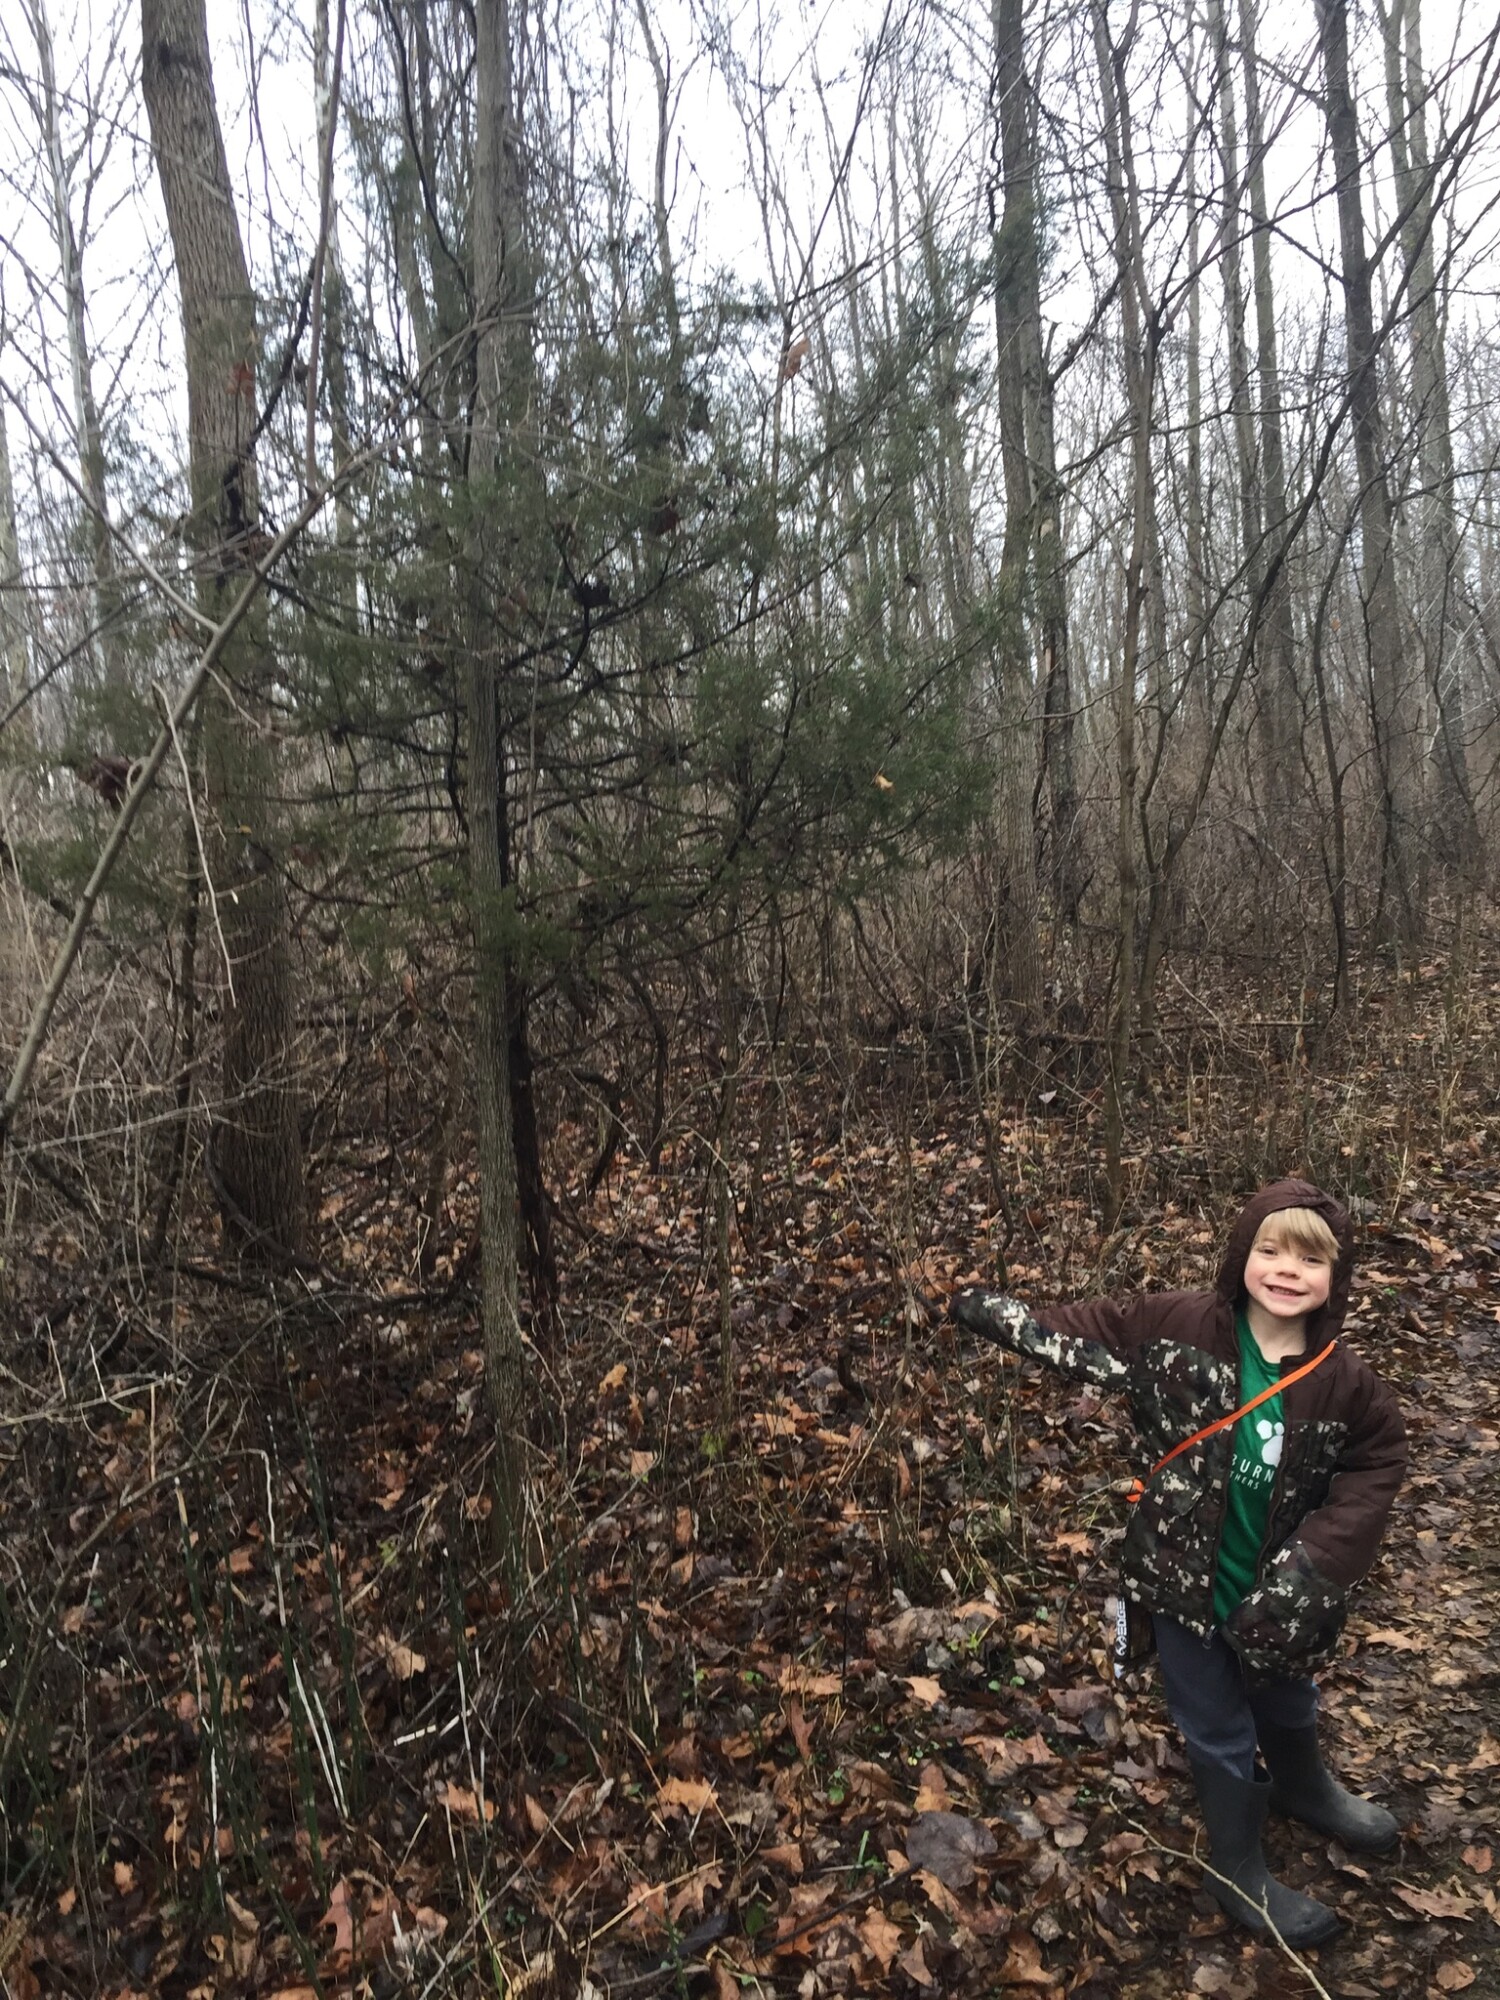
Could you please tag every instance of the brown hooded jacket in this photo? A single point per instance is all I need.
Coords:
(1176, 1357)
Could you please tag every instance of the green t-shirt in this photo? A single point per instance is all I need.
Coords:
(1257, 1453)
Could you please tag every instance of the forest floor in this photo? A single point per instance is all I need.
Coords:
(804, 1696)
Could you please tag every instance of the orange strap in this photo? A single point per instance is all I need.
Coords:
(1139, 1486)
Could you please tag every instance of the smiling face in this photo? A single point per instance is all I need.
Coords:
(1286, 1282)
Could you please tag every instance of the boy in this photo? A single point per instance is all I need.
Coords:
(1246, 1537)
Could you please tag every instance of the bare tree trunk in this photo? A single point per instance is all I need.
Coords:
(1278, 765)
(257, 1151)
(1138, 333)
(327, 359)
(1337, 854)
(1394, 719)
(14, 647)
(499, 293)
(1454, 828)
(1018, 277)
(1279, 701)
(722, 1177)
(1197, 583)
(87, 431)
(1017, 902)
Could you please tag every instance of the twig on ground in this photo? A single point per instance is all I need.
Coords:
(1197, 1861)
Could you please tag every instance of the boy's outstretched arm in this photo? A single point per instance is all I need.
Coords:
(1087, 1357)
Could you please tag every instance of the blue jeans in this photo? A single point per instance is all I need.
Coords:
(1211, 1704)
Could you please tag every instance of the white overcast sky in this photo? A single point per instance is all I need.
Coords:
(263, 75)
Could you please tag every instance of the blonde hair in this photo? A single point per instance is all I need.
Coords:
(1302, 1230)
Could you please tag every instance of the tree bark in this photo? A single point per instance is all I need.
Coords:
(499, 295)
(88, 434)
(1017, 903)
(1455, 832)
(1018, 276)
(1278, 752)
(1139, 347)
(1280, 704)
(14, 646)
(257, 1152)
(1394, 720)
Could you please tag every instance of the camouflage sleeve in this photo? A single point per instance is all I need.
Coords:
(1290, 1623)
(999, 1317)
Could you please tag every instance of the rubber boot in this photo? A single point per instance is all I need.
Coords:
(1302, 1787)
(1234, 1812)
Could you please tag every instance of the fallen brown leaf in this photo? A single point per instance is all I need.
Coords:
(914, 1965)
(244, 1931)
(787, 1857)
(1399, 1642)
(339, 1917)
(797, 1723)
(1435, 1902)
(464, 1804)
(803, 1681)
(694, 1795)
(401, 1660)
(880, 1937)
(1023, 1965)
(948, 1845)
(1454, 1975)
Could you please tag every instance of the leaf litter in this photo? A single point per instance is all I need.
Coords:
(815, 1702)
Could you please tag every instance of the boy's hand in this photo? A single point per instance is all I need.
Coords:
(999, 1317)
(1290, 1623)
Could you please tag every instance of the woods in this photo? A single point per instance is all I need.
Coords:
(674, 678)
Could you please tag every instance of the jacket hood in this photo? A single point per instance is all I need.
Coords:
(1325, 1324)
